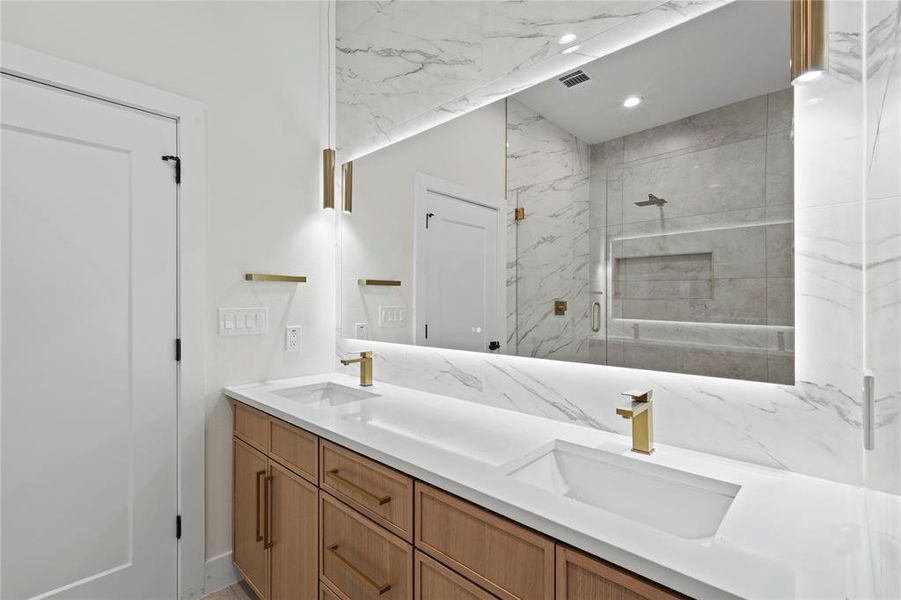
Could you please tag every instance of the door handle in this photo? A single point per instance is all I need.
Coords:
(268, 513)
(596, 317)
(259, 486)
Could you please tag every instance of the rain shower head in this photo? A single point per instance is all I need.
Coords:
(651, 201)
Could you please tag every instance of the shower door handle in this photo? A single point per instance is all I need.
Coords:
(596, 316)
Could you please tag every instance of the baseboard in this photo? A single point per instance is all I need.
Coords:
(220, 573)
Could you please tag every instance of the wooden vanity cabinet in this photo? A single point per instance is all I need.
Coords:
(276, 513)
(315, 520)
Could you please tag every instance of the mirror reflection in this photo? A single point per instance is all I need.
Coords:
(635, 212)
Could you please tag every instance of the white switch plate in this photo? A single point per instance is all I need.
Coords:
(392, 316)
(243, 321)
(292, 338)
(361, 331)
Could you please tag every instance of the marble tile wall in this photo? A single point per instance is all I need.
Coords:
(812, 427)
(883, 239)
(402, 67)
(727, 177)
(548, 176)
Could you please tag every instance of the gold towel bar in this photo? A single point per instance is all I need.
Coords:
(268, 277)
(392, 282)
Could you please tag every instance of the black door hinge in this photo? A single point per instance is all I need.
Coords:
(426, 331)
(177, 160)
(178, 527)
(178, 349)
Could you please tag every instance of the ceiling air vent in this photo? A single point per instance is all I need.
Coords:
(574, 78)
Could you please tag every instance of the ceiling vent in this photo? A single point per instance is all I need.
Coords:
(575, 78)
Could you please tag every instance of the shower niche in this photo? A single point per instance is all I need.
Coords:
(638, 212)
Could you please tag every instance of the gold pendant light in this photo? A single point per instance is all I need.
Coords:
(808, 40)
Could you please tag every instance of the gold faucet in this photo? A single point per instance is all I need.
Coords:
(641, 413)
(365, 361)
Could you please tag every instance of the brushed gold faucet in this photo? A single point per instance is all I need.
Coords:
(641, 413)
(365, 361)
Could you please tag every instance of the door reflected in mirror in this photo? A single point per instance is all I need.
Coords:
(635, 212)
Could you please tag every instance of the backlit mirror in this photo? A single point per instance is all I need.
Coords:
(636, 211)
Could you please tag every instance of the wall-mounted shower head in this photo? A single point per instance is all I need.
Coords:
(651, 201)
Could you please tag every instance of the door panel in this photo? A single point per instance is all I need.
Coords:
(251, 556)
(294, 537)
(89, 416)
(461, 273)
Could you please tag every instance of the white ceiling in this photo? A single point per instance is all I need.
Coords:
(732, 53)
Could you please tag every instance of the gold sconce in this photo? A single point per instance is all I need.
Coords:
(809, 54)
(347, 185)
(328, 178)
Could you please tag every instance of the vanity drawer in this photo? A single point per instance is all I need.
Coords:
(508, 560)
(294, 448)
(380, 493)
(582, 576)
(252, 426)
(434, 581)
(326, 593)
(360, 559)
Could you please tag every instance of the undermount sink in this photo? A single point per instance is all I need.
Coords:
(325, 394)
(687, 505)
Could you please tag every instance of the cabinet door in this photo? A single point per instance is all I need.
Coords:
(251, 556)
(580, 576)
(292, 535)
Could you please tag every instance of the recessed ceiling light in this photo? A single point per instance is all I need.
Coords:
(631, 101)
(567, 38)
(571, 49)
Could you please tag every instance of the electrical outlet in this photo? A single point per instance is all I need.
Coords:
(292, 338)
(361, 331)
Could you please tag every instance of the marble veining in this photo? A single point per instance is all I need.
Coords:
(402, 67)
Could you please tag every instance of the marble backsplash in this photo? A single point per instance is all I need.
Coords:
(812, 427)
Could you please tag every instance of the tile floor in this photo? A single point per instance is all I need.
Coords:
(236, 591)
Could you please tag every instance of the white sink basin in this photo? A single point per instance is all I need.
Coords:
(687, 505)
(324, 394)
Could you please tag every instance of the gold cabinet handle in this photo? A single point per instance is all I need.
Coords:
(378, 589)
(268, 514)
(380, 500)
(259, 486)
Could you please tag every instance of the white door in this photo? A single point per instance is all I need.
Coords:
(458, 272)
(88, 335)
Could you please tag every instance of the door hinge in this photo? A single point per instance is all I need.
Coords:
(178, 527)
(427, 217)
(426, 331)
(178, 349)
(177, 160)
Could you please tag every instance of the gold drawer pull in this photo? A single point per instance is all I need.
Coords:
(267, 543)
(259, 528)
(379, 589)
(380, 500)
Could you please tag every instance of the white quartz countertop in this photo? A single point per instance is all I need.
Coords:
(785, 535)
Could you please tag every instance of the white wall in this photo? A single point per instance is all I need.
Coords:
(256, 66)
(377, 238)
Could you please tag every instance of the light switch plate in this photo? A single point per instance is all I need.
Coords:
(392, 316)
(361, 331)
(243, 321)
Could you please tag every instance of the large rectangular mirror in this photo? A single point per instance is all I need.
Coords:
(636, 212)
